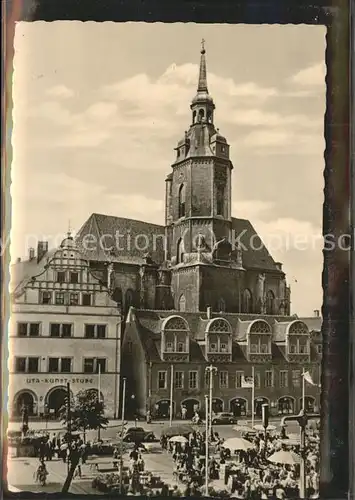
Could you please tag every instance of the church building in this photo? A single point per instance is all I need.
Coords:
(203, 256)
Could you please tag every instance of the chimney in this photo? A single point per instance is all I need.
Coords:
(42, 249)
(316, 313)
(31, 253)
(209, 312)
(278, 265)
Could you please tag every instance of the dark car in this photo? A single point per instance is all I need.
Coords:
(138, 435)
(223, 418)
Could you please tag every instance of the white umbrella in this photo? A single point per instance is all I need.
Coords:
(285, 457)
(237, 444)
(178, 439)
(244, 428)
(291, 442)
(260, 427)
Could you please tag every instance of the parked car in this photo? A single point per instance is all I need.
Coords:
(224, 418)
(137, 435)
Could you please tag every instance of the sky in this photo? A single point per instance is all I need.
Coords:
(98, 109)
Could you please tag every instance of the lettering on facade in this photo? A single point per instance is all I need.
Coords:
(59, 381)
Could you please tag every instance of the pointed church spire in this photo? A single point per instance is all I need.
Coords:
(202, 79)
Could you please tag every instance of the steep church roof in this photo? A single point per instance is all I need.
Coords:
(255, 254)
(136, 238)
(104, 237)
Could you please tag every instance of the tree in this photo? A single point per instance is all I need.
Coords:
(86, 412)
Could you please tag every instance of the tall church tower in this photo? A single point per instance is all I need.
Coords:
(198, 205)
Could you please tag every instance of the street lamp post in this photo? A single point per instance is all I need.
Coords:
(211, 370)
(302, 419)
(122, 431)
(46, 415)
(206, 445)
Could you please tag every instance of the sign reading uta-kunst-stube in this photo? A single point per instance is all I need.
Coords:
(58, 380)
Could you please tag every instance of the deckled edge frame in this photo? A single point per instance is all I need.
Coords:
(338, 398)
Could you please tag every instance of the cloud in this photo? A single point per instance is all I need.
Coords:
(60, 91)
(250, 209)
(257, 117)
(298, 246)
(280, 141)
(175, 88)
(52, 111)
(69, 198)
(312, 76)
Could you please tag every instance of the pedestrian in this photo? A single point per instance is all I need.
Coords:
(183, 412)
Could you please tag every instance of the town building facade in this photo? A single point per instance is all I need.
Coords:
(170, 353)
(64, 327)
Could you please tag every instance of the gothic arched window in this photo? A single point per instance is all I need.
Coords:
(220, 199)
(270, 302)
(129, 299)
(182, 199)
(247, 301)
(182, 303)
(221, 306)
(179, 251)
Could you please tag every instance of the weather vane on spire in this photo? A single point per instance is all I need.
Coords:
(203, 46)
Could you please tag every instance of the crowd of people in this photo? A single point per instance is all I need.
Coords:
(244, 474)
(239, 473)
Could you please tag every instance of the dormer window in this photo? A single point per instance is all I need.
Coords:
(219, 336)
(175, 336)
(259, 338)
(298, 338)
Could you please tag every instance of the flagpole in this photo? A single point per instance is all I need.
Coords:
(171, 394)
(252, 397)
(303, 390)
